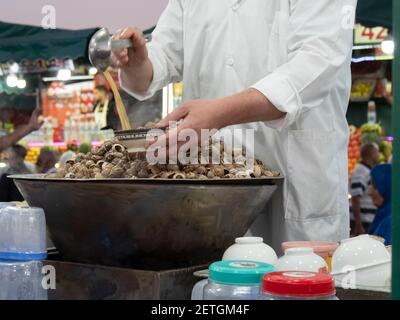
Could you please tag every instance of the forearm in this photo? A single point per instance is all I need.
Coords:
(356, 209)
(246, 107)
(13, 138)
(137, 78)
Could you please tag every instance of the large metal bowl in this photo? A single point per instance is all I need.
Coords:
(147, 224)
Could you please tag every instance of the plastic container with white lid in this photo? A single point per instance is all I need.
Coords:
(298, 286)
(236, 280)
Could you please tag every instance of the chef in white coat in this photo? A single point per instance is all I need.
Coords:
(281, 67)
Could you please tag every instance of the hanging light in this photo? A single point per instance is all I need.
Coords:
(14, 68)
(12, 80)
(21, 84)
(93, 71)
(387, 45)
(64, 75)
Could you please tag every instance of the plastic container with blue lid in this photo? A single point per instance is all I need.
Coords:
(236, 280)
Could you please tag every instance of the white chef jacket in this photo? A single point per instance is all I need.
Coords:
(295, 52)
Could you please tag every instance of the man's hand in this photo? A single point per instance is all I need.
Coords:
(194, 115)
(132, 57)
(36, 120)
(197, 115)
(136, 69)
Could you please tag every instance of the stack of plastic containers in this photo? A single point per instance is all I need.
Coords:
(22, 250)
(235, 280)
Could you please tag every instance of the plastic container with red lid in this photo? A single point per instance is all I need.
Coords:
(296, 285)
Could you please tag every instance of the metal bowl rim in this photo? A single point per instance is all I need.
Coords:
(244, 182)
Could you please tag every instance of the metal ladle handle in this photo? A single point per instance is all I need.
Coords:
(125, 43)
(121, 44)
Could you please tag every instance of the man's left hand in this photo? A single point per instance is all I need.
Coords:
(36, 120)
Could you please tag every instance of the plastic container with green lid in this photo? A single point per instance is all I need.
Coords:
(236, 280)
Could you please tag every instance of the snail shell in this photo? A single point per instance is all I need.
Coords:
(173, 167)
(108, 145)
(219, 171)
(107, 166)
(90, 164)
(243, 174)
(258, 171)
(143, 174)
(143, 165)
(119, 155)
(201, 170)
(98, 176)
(229, 176)
(118, 162)
(70, 175)
(119, 148)
(100, 163)
(96, 170)
(109, 157)
(116, 172)
(70, 162)
(154, 169)
(189, 168)
(96, 158)
(201, 177)
(106, 172)
(178, 176)
(127, 166)
(130, 173)
(167, 175)
(191, 175)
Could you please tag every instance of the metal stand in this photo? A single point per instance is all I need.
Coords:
(90, 282)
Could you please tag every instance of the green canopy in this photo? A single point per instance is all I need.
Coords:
(21, 42)
(18, 101)
(373, 13)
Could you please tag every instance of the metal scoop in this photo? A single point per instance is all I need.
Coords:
(100, 47)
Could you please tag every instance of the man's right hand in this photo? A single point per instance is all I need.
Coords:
(134, 57)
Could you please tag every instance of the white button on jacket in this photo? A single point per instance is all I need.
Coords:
(297, 53)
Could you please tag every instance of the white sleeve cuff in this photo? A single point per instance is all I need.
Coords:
(283, 95)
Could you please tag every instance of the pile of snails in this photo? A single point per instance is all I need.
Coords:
(112, 160)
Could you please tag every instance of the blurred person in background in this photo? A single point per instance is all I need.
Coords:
(47, 161)
(104, 110)
(363, 209)
(16, 165)
(66, 156)
(381, 194)
(34, 124)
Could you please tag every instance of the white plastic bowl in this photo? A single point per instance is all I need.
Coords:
(359, 252)
(251, 248)
(362, 263)
(302, 259)
(374, 278)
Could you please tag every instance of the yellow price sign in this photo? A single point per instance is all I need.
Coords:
(365, 35)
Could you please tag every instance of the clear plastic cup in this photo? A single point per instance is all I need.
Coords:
(21, 281)
(22, 234)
